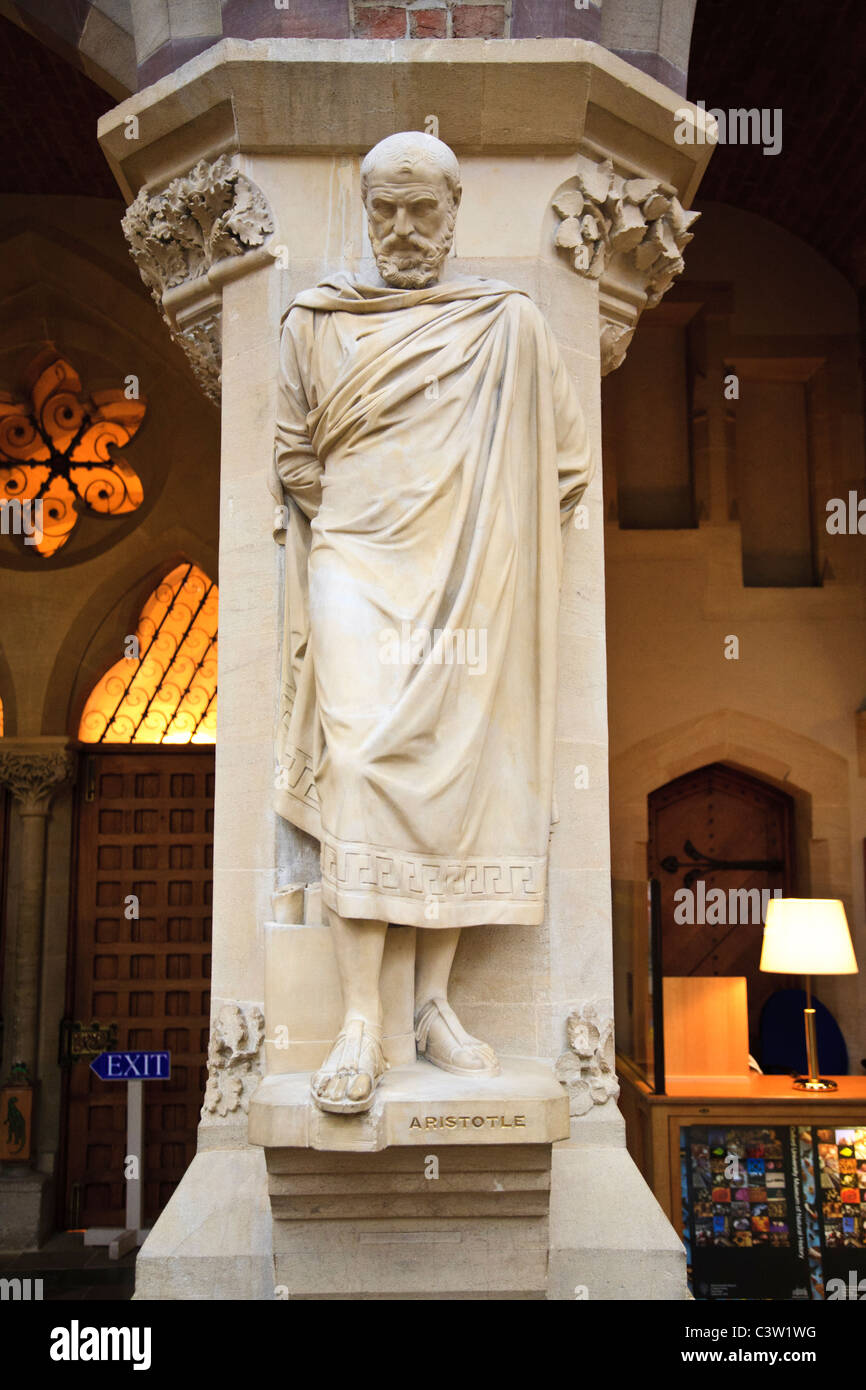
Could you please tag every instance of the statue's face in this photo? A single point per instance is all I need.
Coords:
(410, 214)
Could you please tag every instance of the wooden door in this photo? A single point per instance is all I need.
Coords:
(730, 831)
(145, 836)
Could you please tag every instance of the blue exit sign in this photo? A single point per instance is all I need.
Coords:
(132, 1066)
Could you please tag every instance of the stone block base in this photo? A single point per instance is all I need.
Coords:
(507, 1220)
(213, 1240)
(434, 1222)
(609, 1238)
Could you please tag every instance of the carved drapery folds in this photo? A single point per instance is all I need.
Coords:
(178, 236)
(33, 778)
(587, 1069)
(627, 233)
(233, 1064)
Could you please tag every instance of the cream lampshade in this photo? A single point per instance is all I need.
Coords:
(808, 936)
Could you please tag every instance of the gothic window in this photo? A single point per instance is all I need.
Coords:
(163, 689)
(56, 458)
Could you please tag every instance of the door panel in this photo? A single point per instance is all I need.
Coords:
(723, 815)
(145, 845)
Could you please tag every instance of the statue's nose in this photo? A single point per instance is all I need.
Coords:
(402, 222)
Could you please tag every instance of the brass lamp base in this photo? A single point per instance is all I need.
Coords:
(812, 1082)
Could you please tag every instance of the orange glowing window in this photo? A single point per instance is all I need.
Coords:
(1, 718)
(56, 454)
(164, 690)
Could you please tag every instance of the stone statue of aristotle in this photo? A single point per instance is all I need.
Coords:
(429, 445)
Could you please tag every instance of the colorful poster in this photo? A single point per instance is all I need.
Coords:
(839, 1159)
(745, 1222)
(775, 1212)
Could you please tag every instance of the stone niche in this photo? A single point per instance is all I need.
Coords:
(574, 190)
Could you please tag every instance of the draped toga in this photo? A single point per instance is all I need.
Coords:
(429, 444)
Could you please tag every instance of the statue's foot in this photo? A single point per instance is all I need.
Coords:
(345, 1084)
(443, 1040)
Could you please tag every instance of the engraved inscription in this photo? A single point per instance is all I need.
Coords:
(467, 1122)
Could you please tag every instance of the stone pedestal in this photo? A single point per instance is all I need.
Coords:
(244, 167)
(442, 1189)
(441, 1222)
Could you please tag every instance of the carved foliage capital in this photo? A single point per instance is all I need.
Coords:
(32, 778)
(636, 227)
(233, 1058)
(214, 212)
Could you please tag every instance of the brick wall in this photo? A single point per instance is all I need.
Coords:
(430, 19)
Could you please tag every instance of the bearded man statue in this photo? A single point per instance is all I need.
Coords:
(430, 449)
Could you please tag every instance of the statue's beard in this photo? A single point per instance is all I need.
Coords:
(410, 263)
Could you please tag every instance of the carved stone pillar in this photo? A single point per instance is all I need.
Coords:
(32, 773)
(569, 164)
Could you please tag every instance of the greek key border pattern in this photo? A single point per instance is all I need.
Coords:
(352, 868)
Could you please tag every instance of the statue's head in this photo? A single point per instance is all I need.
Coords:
(410, 184)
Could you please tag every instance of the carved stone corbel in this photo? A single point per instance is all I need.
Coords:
(587, 1069)
(233, 1059)
(627, 233)
(179, 236)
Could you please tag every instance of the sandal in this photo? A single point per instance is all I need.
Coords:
(453, 1054)
(360, 1054)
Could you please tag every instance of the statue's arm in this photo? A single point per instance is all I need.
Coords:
(298, 470)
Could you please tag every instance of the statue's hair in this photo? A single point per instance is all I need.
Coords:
(406, 150)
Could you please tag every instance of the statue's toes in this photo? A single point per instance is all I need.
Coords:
(360, 1087)
(468, 1058)
(476, 1056)
(337, 1087)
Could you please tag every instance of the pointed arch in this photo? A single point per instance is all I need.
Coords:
(814, 775)
(164, 688)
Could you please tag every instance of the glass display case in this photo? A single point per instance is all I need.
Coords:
(637, 974)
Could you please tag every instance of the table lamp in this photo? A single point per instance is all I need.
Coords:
(808, 936)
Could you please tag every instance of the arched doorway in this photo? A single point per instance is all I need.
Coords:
(141, 928)
(718, 828)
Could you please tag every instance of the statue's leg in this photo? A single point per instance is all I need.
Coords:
(440, 1035)
(355, 1064)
